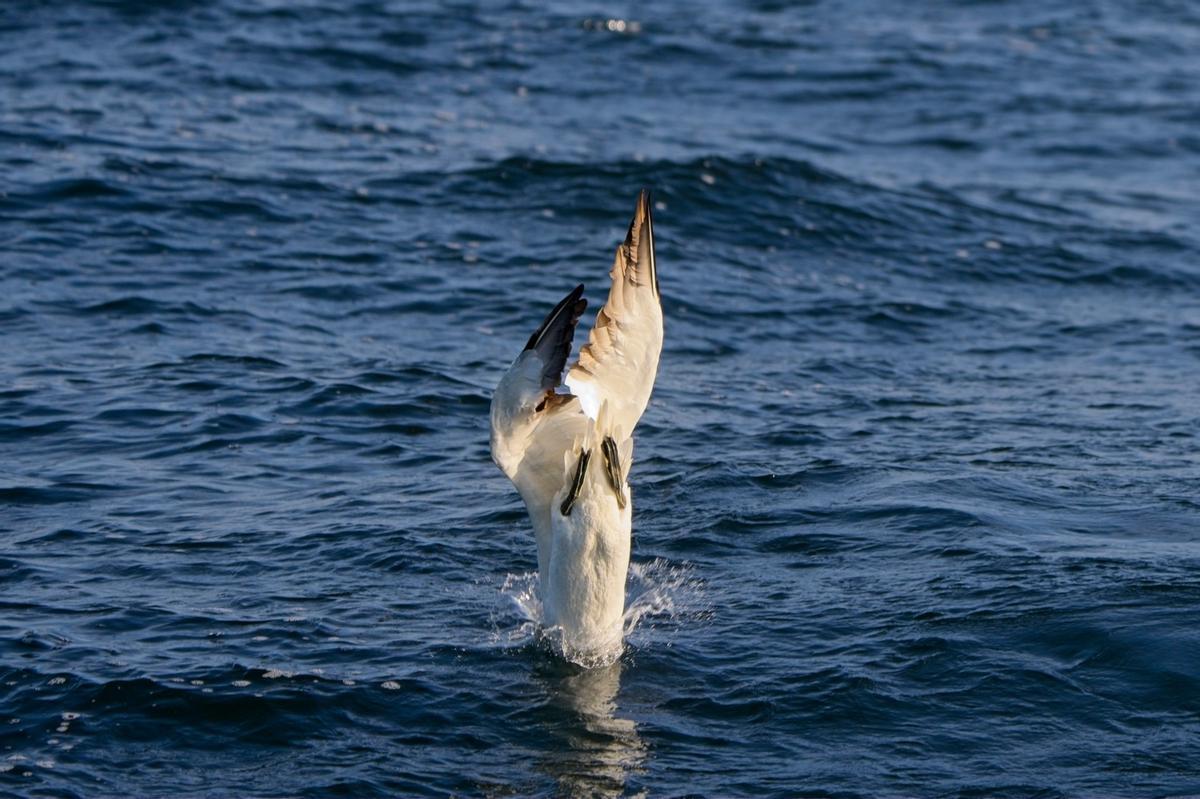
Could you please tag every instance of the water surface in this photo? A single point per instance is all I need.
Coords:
(916, 494)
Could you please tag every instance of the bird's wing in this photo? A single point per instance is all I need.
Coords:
(620, 360)
(531, 423)
(551, 342)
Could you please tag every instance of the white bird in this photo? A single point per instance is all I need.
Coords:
(567, 444)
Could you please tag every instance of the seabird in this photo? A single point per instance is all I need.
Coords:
(567, 444)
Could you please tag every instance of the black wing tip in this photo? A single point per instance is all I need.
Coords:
(574, 296)
(642, 211)
(573, 300)
(645, 209)
(578, 304)
(646, 206)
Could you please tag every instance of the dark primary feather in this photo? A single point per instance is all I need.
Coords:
(552, 340)
(638, 247)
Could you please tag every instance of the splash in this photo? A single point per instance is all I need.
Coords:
(658, 597)
(517, 620)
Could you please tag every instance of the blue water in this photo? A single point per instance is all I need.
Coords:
(916, 494)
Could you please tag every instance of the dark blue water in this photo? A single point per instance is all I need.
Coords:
(917, 490)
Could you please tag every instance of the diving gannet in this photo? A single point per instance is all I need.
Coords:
(567, 444)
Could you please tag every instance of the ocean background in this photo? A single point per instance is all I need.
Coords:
(916, 497)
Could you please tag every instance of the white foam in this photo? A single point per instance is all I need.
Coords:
(658, 596)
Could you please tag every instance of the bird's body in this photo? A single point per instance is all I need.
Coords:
(567, 444)
(583, 588)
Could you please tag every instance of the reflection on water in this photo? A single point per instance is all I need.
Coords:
(588, 749)
(594, 751)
